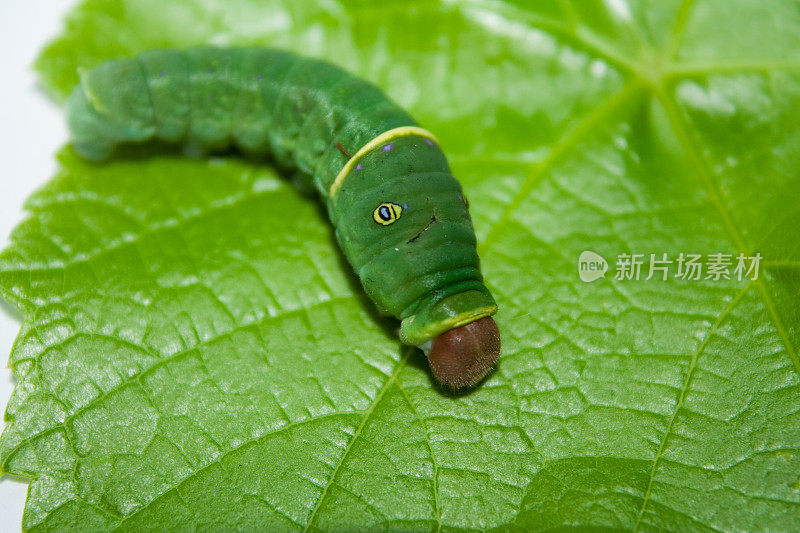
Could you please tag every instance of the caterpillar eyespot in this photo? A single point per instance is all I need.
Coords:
(387, 213)
(304, 113)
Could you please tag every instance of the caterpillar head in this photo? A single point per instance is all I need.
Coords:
(403, 221)
(463, 356)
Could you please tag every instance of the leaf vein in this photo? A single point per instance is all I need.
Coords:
(161, 362)
(241, 446)
(356, 434)
(681, 397)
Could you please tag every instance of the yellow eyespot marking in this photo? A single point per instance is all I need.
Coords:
(387, 213)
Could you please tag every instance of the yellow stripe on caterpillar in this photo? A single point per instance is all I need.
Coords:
(402, 131)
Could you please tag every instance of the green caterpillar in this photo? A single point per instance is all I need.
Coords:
(400, 216)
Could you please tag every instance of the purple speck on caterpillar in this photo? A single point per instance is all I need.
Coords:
(260, 77)
(387, 147)
(430, 142)
(358, 166)
(162, 73)
(208, 70)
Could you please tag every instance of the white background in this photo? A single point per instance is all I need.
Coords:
(31, 130)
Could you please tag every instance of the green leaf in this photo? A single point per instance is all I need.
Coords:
(196, 354)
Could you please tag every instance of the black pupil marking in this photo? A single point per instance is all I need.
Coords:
(384, 213)
(418, 235)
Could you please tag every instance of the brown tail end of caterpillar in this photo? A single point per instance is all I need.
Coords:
(463, 356)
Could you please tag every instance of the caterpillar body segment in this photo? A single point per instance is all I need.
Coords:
(259, 100)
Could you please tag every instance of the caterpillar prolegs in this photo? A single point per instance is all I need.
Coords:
(400, 217)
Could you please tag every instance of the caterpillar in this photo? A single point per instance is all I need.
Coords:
(400, 217)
